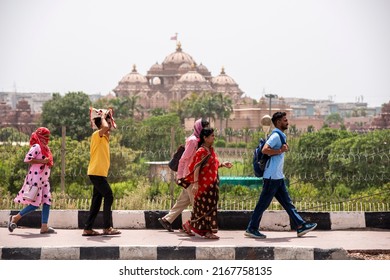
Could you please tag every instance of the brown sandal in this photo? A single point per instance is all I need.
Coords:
(111, 231)
(210, 235)
(90, 232)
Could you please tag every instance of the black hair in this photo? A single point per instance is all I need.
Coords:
(207, 131)
(205, 123)
(277, 116)
(98, 122)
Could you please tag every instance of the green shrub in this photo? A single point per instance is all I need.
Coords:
(220, 143)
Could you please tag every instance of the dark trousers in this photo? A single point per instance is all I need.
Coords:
(271, 189)
(101, 189)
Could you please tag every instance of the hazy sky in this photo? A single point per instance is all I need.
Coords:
(312, 49)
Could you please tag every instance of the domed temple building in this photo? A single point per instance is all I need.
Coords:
(175, 79)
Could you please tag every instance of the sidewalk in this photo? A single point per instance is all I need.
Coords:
(155, 244)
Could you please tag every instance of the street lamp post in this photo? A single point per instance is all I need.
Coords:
(270, 96)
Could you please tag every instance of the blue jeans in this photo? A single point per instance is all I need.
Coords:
(31, 208)
(271, 189)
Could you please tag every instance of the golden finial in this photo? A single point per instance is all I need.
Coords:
(178, 47)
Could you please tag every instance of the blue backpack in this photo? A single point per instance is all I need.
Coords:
(259, 159)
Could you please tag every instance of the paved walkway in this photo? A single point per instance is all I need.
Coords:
(27, 243)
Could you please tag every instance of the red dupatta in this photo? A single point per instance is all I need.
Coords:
(204, 169)
(41, 136)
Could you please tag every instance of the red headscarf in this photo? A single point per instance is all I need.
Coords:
(41, 136)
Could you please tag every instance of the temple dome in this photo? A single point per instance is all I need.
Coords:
(223, 79)
(132, 83)
(184, 68)
(156, 67)
(203, 70)
(191, 77)
(134, 77)
(192, 81)
(179, 57)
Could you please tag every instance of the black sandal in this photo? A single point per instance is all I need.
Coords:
(11, 225)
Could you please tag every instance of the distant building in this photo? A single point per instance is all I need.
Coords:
(34, 99)
(382, 121)
(175, 79)
(19, 117)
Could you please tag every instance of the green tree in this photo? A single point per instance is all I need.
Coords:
(310, 128)
(154, 136)
(293, 129)
(223, 107)
(158, 112)
(71, 111)
(10, 134)
(127, 130)
(180, 108)
(194, 106)
(104, 102)
(361, 160)
(247, 132)
(309, 159)
(334, 118)
(229, 133)
(16, 169)
(124, 107)
(133, 106)
(209, 106)
(202, 106)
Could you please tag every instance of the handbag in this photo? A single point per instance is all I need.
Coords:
(182, 182)
(31, 193)
(174, 162)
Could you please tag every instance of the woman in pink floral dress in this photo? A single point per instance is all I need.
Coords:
(40, 159)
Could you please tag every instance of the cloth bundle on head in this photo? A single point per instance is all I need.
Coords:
(97, 113)
(41, 136)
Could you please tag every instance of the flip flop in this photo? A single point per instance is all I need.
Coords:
(90, 232)
(11, 225)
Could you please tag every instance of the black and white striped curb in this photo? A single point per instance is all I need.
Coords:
(171, 253)
(227, 220)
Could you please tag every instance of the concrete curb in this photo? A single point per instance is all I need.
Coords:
(227, 220)
(171, 253)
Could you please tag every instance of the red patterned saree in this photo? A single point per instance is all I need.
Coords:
(205, 177)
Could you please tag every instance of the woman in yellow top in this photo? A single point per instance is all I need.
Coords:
(98, 171)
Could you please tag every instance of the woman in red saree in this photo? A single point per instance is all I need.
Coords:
(204, 176)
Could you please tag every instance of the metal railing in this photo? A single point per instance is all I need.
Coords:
(228, 204)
